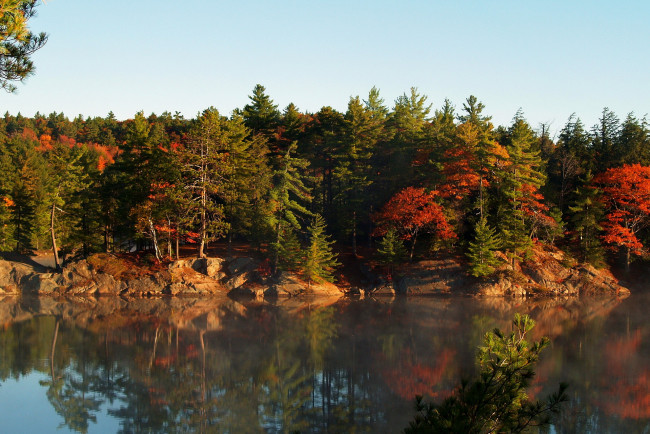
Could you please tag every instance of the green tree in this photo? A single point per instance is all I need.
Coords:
(481, 251)
(586, 213)
(206, 165)
(497, 400)
(67, 179)
(249, 181)
(290, 252)
(391, 250)
(261, 115)
(287, 197)
(320, 261)
(17, 43)
(519, 185)
(361, 133)
(633, 142)
(604, 135)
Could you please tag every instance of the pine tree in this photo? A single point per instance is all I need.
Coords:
(206, 165)
(320, 261)
(249, 181)
(481, 251)
(604, 139)
(353, 172)
(17, 43)
(290, 251)
(261, 115)
(67, 179)
(391, 250)
(496, 401)
(520, 181)
(287, 197)
(586, 213)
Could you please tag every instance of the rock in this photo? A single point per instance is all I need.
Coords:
(12, 275)
(502, 287)
(383, 289)
(107, 285)
(286, 285)
(238, 280)
(432, 277)
(241, 265)
(213, 267)
(289, 285)
(250, 291)
(41, 284)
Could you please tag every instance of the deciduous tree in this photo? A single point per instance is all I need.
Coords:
(626, 195)
(412, 211)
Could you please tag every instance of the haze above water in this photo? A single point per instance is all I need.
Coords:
(166, 365)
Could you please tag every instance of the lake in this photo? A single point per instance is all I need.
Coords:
(220, 365)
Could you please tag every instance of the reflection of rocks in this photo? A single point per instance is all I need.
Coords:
(289, 285)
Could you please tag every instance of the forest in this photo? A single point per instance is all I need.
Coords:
(395, 184)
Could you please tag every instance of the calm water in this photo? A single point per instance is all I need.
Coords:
(217, 365)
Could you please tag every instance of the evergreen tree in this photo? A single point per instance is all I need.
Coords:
(604, 136)
(586, 213)
(67, 179)
(520, 180)
(287, 197)
(353, 172)
(290, 251)
(206, 165)
(573, 156)
(261, 115)
(248, 182)
(497, 400)
(391, 250)
(633, 142)
(17, 43)
(481, 251)
(320, 261)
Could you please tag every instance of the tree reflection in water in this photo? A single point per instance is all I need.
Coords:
(219, 365)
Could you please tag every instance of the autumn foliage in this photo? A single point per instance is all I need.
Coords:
(411, 211)
(626, 195)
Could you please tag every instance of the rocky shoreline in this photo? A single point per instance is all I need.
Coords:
(109, 274)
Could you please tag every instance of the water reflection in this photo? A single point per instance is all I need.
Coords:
(169, 365)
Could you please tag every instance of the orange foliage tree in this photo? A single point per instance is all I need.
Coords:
(626, 195)
(411, 211)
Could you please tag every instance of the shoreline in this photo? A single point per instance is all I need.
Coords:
(245, 276)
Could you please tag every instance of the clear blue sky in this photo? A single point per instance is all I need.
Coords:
(551, 58)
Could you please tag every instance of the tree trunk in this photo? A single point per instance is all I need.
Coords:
(177, 242)
(169, 237)
(57, 264)
(354, 233)
(203, 225)
(155, 239)
(412, 248)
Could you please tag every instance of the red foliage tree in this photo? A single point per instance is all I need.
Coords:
(411, 211)
(626, 195)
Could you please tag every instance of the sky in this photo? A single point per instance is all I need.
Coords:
(549, 58)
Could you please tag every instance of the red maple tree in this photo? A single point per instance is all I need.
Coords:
(410, 211)
(626, 195)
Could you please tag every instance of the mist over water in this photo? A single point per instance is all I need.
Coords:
(168, 365)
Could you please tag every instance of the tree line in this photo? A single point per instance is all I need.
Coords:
(403, 182)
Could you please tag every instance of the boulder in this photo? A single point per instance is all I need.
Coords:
(241, 265)
(213, 267)
(12, 274)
